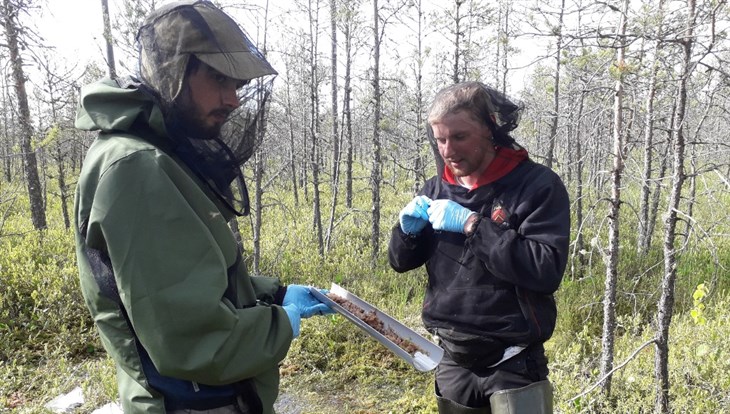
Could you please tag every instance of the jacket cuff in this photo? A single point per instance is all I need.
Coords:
(407, 237)
(279, 295)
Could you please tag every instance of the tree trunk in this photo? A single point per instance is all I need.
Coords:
(644, 239)
(335, 127)
(457, 40)
(258, 174)
(259, 164)
(691, 197)
(292, 144)
(665, 307)
(376, 174)
(656, 195)
(315, 126)
(507, 5)
(347, 98)
(555, 117)
(30, 165)
(579, 243)
(609, 299)
(7, 142)
(108, 39)
(233, 224)
(419, 163)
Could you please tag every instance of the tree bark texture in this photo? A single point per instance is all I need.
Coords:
(419, 162)
(579, 243)
(376, 171)
(665, 307)
(335, 126)
(609, 298)
(11, 9)
(457, 40)
(555, 117)
(346, 108)
(644, 236)
(315, 125)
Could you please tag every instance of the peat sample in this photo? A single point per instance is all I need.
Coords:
(371, 318)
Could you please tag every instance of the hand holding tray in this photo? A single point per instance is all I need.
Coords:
(425, 358)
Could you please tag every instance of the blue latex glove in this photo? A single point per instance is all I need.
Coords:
(414, 216)
(302, 298)
(294, 318)
(448, 215)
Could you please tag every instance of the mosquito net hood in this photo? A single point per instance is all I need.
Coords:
(485, 103)
(172, 39)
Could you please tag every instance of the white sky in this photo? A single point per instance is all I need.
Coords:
(74, 28)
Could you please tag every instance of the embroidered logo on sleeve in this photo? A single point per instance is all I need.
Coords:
(499, 215)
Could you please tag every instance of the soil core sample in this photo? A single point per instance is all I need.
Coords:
(371, 318)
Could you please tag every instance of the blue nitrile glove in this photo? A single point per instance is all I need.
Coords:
(414, 216)
(294, 318)
(302, 298)
(320, 310)
(448, 215)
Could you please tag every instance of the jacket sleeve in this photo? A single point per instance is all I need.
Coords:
(533, 255)
(407, 252)
(268, 289)
(171, 273)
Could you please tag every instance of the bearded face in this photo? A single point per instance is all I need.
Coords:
(205, 102)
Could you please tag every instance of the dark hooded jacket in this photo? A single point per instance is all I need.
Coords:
(494, 288)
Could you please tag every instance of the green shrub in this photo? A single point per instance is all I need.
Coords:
(49, 345)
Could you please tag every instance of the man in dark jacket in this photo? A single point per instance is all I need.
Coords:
(493, 231)
(161, 272)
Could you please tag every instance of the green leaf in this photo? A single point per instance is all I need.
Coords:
(702, 350)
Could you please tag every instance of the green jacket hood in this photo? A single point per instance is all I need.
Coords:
(114, 105)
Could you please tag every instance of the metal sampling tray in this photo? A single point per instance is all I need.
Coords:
(426, 360)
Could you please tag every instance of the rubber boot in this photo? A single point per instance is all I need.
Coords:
(536, 398)
(452, 407)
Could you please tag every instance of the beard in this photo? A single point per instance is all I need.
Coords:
(194, 123)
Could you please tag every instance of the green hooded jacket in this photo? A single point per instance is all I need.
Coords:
(166, 240)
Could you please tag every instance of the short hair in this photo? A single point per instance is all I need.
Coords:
(484, 103)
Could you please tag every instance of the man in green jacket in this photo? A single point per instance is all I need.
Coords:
(161, 271)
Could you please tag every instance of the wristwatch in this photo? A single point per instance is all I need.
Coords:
(472, 222)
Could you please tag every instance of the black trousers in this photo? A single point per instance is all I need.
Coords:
(473, 387)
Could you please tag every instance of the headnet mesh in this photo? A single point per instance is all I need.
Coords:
(167, 40)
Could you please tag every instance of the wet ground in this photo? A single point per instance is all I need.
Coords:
(288, 404)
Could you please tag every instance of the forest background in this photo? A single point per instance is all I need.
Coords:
(626, 100)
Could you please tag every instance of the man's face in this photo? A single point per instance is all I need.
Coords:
(465, 145)
(206, 101)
